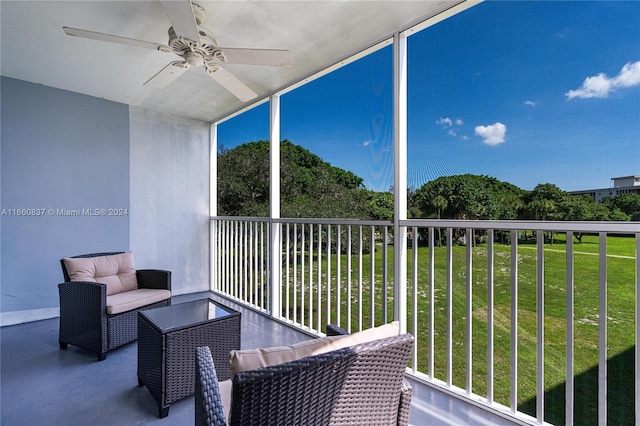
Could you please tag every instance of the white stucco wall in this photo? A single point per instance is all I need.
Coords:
(169, 217)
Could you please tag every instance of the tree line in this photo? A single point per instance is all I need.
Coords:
(311, 187)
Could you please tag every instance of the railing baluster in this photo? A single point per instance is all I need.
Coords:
(328, 280)
(469, 309)
(245, 260)
(311, 277)
(540, 327)
(217, 242)
(602, 330)
(256, 264)
(569, 397)
(359, 277)
(414, 297)
(431, 319)
(263, 261)
(236, 290)
(287, 273)
(295, 273)
(514, 322)
(385, 274)
(338, 274)
(224, 263)
(302, 274)
(349, 278)
(490, 278)
(449, 308)
(319, 281)
(372, 277)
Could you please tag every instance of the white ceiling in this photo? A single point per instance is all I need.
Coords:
(319, 34)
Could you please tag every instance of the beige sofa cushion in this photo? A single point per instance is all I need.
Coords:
(116, 271)
(134, 299)
(250, 359)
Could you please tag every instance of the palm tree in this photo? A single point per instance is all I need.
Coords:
(440, 203)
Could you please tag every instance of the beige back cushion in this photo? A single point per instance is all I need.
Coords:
(116, 271)
(250, 359)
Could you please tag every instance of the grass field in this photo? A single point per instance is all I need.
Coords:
(620, 321)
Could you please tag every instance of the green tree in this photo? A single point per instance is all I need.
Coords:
(310, 187)
(440, 203)
(629, 204)
(469, 197)
(381, 205)
(243, 180)
(544, 201)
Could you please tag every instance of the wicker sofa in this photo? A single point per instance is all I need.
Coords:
(353, 385)
(101, 297)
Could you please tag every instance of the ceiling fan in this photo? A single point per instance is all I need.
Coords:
(197, 46)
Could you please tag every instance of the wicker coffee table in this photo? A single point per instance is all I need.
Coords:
(167, 339)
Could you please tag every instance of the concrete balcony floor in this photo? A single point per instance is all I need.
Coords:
(43, 385)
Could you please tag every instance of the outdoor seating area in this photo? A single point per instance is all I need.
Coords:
(42, 385)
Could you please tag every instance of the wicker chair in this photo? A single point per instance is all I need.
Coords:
(84, 321)
(361, 384)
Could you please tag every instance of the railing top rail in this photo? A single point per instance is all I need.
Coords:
(314, 221)
(242, 218)
(530, 225)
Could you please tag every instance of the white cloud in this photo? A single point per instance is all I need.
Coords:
(452, 127)
(493, 134)
(446, 122)
(629, 76)
(367, 143)
(599, 86)
(530, 103)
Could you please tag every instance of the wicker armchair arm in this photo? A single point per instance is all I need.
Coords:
(334, 330)
(208, 408)
(154, 278)
(83, 308)
(405, 403)
(91, 297)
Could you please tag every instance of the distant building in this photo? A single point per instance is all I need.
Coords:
(621, 185)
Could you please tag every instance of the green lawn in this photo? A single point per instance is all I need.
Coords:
(620, 324)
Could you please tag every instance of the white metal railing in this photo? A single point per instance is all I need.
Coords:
(476, 303)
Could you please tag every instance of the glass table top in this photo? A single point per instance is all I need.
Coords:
(186, 314)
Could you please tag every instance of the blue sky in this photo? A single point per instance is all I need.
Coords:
(527, 92)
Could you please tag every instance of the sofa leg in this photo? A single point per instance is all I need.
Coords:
(163, 412)
(63, 345)
(102, 356)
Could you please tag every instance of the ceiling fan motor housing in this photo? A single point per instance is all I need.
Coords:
(206, 47)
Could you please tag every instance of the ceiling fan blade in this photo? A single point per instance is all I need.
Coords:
(115, 39)
(230, 82)
(182, 18)
(167, 74)
(270, 57)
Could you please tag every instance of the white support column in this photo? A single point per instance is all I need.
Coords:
(213, 206)
(400, 178)
(275, 243)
